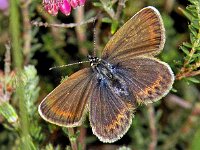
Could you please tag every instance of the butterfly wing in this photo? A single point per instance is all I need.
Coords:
(66, 104)
(149, 79)
(110, 114)
(143, 34)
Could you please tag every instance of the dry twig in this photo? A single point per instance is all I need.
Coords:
(152, 124)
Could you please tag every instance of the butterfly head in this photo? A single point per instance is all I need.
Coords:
(94, 61)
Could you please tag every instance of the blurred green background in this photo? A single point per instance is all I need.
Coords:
(29, 48)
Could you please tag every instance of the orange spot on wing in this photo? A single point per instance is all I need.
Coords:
(59, 112)
(151, 88)
(119, 121)
(116, 122)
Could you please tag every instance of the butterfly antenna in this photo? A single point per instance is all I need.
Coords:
(94, 38)
(77, 63)
(95, 32)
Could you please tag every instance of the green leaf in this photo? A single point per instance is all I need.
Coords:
(192, 38)
(106, 20)
(195, 24)
(194, 80)
(174, 90)
(195, 144)
(114, 26)
(187, 14)
(8, 112)
(192, 2)
(192, 30)
(185, 50)
(97, 4)
(186, 44)
(194, 56)
(197, 48)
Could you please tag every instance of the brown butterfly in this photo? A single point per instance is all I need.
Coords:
(126, 75)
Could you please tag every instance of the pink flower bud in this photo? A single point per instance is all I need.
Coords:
(51, 6)
(53, 10)
(81, 2)
(74, 3)
(65, 8)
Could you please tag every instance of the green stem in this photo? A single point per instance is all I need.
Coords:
(72, 139)
(15, 34)
(25, 137)
(26, 142)
(23, 116)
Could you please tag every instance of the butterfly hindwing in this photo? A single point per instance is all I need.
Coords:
(149, 79)
(110, 114)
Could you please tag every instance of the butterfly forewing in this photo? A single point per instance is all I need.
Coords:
(110, 114)
(148, 78)
(143, 34)
(65, 105)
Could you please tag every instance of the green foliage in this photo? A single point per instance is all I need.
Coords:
(114, 26)
(50, 147)
(27, 126)
(8, 112)
(26, 84)
(195, 140)
(31, 93)
(191, 49)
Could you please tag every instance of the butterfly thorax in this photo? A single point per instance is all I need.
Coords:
(101, 67)
(94, 61)
(107, 76)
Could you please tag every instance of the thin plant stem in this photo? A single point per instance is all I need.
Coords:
(63, 25)
(7, 69)
(152, 124)
(7, 59)
(80, 30)
(26, 29)
(108, 9)
(82, 136)
(15, 34)
(72, 139)
(96, 37)
(121, 5)
(178, 101)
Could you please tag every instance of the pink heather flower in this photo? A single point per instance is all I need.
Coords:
(3, 4)
(75, 3)
(65, 8)
(53, 6)
(81, 2)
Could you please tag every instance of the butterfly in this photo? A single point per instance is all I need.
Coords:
(114, 85)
